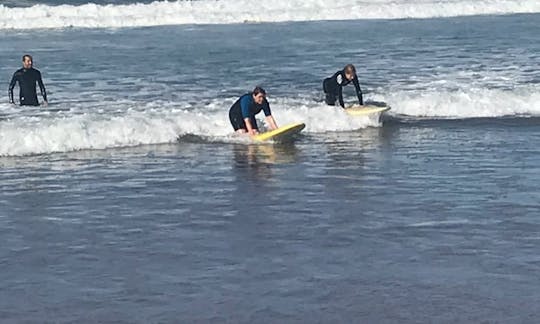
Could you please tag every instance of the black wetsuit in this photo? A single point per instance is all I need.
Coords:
(245, 107)
(333, 88)
(27, 79)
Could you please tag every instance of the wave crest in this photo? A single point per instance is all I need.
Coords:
(240, 11)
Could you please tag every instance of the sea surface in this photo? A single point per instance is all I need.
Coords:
(130, 200)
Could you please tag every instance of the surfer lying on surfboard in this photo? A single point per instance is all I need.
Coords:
(333, 86)
(243, 111)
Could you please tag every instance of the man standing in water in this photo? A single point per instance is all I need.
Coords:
(27, 78)
(333, 86)
(243, 111)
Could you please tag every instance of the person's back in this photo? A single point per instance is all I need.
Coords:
(27, 77)
(245, 106)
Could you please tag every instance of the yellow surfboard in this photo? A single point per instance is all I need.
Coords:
(281, 134)
(365, 110)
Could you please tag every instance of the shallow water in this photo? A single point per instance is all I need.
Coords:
(147, 86)
(427, 216)
(414, 222)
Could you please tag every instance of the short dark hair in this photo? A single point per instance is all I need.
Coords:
(27, 55)
(259, 90)
(349, 68)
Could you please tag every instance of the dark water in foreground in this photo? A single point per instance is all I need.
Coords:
(421, 221)
(431, 216)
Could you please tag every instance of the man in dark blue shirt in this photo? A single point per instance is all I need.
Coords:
(27, 78)
(333, 86)
(243, 111)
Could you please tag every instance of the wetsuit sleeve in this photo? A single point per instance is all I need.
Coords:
(266, 108)
(11, 86)
(42, 87)
(358, 90)
(245, 102)
(340, 96)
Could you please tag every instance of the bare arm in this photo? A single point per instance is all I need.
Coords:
(270, 120)
(268, 113)
(250, 129)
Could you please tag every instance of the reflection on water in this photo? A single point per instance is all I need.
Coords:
(263, 227)
(256, 161)
(265, 153)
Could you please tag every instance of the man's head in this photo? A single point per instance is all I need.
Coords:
(259, 94)
(27, 61)
(350, 71)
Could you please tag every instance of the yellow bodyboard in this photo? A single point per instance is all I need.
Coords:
(280, 134)
(365, 110)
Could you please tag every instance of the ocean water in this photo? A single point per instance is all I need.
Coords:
(126, 13)
(129, 200)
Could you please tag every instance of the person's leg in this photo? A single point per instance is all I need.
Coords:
(330, 99)
(237, 123)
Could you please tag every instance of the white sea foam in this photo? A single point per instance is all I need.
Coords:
(239, 11)
(63, 132)
(127, 123)
(470, 103)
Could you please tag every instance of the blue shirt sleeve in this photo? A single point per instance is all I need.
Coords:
(245, 103)
(266, 108)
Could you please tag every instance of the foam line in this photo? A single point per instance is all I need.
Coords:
(240, 11)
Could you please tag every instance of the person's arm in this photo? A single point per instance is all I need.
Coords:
(250, 129)
(358, 90)
(246, 114)
(11, 86)
(270, 120)
(340, 96)
(42, 88)
(268, 113)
